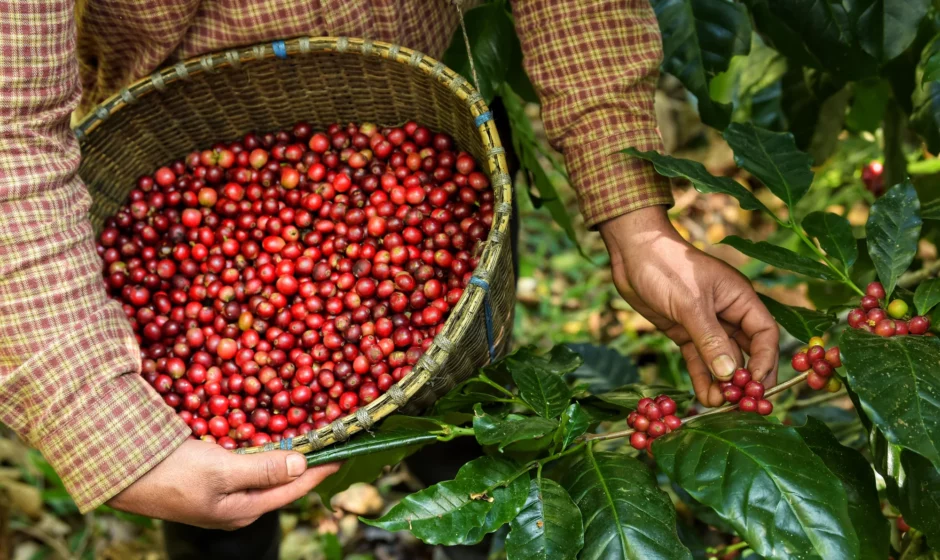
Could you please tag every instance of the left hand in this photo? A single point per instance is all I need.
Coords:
(704, 305)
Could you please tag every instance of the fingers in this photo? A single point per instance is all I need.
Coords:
(712, 343)
(264, 470)
(759, 327)
(262, 501)
(706, 389)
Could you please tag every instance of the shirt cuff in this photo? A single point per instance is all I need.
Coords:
(610, 184)
(113, 427)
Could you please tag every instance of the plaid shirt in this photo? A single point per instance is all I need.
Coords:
(68, 359)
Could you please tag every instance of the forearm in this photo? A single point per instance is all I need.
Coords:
(68, 359)
(595, 66)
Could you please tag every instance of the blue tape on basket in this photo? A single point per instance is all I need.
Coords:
(483, 119)
(487, 313)
(287, 443)
(280, 49)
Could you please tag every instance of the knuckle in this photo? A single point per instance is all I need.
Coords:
(269, 472)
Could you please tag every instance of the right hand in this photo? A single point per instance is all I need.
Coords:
(204, 485)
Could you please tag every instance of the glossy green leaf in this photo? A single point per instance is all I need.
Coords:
(927, 295)
(893, 229)
(699, 39)
(627, 397)
(858, 480)
(406, 432)
(603, 368)
(870, 97)
(815, 34)
(447, 513)
(491, 32)
(897, 381)
(508, 501)
(925, 97)
(490, 430)
(802, 324)
(773, 158)
(368, 467)
(626, 515)
(885, 28)
(834, 235)
(548, 527)
(762, 479)
(919, 496)
(780, 257)
(546, 392)
(701, 179)
(574, 423)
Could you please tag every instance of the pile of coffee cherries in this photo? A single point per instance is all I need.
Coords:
(281, 281)
(822, 362)
(747, 393)
(652, 419)
(893, 321)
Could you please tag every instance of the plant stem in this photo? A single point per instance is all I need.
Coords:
(910, 279)
(720, 410)
(538, 463)
(714, 552)
(482, 378)
(819, 399)
(450, 432)
(809, 243)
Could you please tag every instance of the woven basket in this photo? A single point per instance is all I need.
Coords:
(321, 81)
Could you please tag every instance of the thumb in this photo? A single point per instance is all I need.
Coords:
(264, 470)
(713, 345)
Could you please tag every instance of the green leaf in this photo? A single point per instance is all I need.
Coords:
(627, 397)
(447, 513)
(802, 324)
(885, 28)
(699, 39)
(773, 158)
(927, 296)
(407, 432)
(925, 98)
(603, 368)
(858, 480)
(834, 234)
(574, 423)
(546, 392)
(897, 381)
(919, 499)
(702, 180)
(893, 229)
(490, 430)
(763, 480)
(868, 105)
(815, 34)
(780, 257)
(548, 527)
(367, 468)
(490, 31)
(626, 515)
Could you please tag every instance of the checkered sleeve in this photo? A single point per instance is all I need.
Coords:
(69, 362)
(595, 66)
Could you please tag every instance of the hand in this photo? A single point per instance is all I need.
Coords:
(704, 305)
(204, 485)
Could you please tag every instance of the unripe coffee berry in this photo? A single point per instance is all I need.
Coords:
(897, 309)
(816, 341)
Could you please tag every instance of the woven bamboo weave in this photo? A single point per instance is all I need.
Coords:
(320, 80)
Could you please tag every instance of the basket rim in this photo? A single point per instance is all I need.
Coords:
(466, 310)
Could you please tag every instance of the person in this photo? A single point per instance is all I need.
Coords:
(69, 364)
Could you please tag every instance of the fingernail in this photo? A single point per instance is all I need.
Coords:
(723, 366)
(296, 465)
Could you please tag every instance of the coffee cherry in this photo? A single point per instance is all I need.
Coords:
(834, 357)
(833, 385)
(822, 368)
(816, 381)
(754, 389)
(816, 353)
(741, 377)
(897, 309)
(800, 362)
(666, 405)
(919, 324)
(885, 328)
(641, 406)
(902, 525)
(816, 341)
(653, 412)
(869, 303)
(656, 429)
(733, 394)
(672, 422)
(764, 407)
(748, 404)
(875, 290)
(856, 318)
(641, 424)
(901, 328)
(638, 440)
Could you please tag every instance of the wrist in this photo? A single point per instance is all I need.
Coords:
(640, 228)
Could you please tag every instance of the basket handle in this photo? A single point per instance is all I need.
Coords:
(458, 5)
